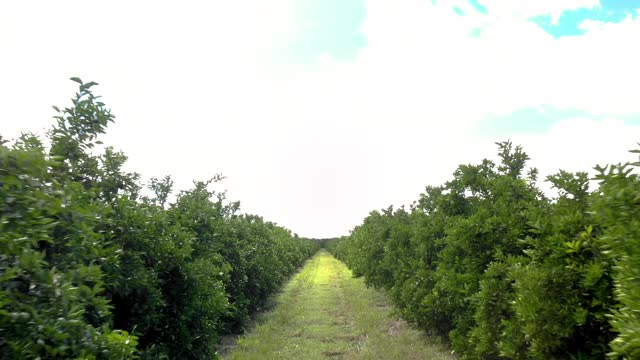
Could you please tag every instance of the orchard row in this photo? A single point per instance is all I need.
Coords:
(90, 269)
(505, 272)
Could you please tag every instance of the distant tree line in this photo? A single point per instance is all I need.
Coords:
(91, 269)
(505, 272)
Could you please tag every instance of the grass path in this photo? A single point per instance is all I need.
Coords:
(324, 313)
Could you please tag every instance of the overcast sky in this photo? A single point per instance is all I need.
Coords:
(319, 111)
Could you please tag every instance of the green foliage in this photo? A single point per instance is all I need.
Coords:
(90, 270)
(506, 273)
(618, 208)
(154, 255)
(51, 255)
(564, 261)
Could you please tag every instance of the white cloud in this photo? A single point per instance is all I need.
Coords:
(579, 144)
(202, 88)
(524, 9)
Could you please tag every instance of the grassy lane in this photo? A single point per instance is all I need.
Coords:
(323, 313)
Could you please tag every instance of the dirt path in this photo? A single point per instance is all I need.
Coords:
(323, 313)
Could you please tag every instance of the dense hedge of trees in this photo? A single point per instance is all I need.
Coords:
(90, 269)
(505, 272)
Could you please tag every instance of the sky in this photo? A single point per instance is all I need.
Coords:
(320, 111)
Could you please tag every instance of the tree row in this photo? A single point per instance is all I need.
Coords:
(505, 271)
(92, 269)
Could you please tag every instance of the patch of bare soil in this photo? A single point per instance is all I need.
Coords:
(396, 327)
